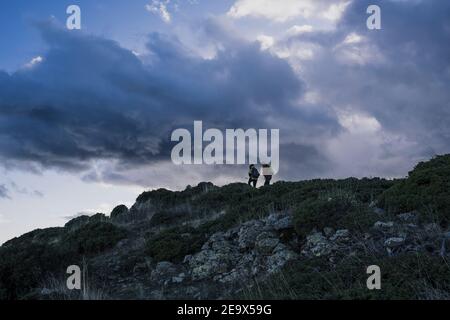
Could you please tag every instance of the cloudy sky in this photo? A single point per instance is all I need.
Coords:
(86, 115)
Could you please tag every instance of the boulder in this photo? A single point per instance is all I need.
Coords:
(179, 278)
(408, 217)
(247, 234)
(317, 245)
(281, 256)
(394, 242)
(341, 235)
(265, 243)
(208, 263)
(328, 231)
(384, 226)
(379, 211)
(279, 221)
(163, 272)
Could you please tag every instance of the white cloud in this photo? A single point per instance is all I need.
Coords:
(282, 11)
(297, 51)
(335, 11)
(296, 30)
(353, 38)
(273, 10)
(266, 41)
(34, 61)
(159, 7)
(357, 50)
(359, 123)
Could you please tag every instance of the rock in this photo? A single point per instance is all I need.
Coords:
(187, 258)
(179, 279)
(328, 231)
(408, 217)
(340, 235)
(379, 211)
(46, 292)
(384, 226)
(208, 263)
(394, 242)
(267, 245)
(279, 221)
(317, 245)
(163, 272)
(247, 234)
(280, 258)
(164, 267)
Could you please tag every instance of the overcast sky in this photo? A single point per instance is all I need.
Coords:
(86, 116)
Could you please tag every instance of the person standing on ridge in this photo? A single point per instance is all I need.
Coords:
(253, 175)
(267, 173)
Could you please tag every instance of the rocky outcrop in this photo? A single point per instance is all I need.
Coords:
(241, 253)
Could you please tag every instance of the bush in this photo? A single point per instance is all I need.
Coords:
(27, 259)
(119, 211)
(427, 189)
(93, 238)
(339, 212)
(407, 276)
(174, 244)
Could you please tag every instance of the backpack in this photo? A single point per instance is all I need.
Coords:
(254, 173)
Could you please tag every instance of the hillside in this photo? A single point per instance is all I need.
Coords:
(292, 240)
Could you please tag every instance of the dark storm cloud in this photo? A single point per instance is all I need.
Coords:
(400, 74)
(302, 162)
(91, 99)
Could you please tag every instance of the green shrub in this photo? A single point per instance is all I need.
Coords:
(25, 260)
(339, 212)
(119, 211)
(408, 276)
(93, 238)
(77, 222)
(174, 244)
(427, 189)
(98, 217)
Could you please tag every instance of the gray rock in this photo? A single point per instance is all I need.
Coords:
(379, 211)
(408, 217)
(247, 234)
(384, 226)
(343, 234)
(208, 263)
(179, 279)
(267, 245)
(163, 272)
(328, 231)
(280, 258)
(279, 221)
(394, 242)
(187, 259)
(265, 242)
(317, 245)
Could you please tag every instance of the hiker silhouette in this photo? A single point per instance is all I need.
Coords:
(253, 175)
(267, 173)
